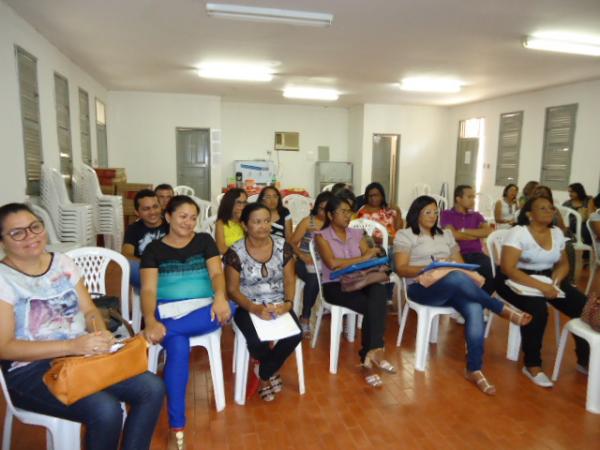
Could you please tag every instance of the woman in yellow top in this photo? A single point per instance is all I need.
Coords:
(228, 229)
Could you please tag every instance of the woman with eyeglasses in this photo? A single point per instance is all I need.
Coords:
(415, 248)
(228, 229)
(281, 218)
(305, 269)
(532, 249)
(46, 312)
(341, 247)
(377, 209)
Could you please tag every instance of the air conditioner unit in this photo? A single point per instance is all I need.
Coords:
(287, 140)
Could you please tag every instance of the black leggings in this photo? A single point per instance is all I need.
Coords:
(371, 302)
(532, 334)
(270, 359)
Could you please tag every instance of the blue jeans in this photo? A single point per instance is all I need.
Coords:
(177, 367)
(101, 413)
(311, 288)
(458, 291)
(134, 273)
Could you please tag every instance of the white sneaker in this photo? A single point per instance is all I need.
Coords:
(458, 318)
(540, 379)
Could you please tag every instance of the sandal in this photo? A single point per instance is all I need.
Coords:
(276, 383)
(382, 364)
(479, 379)
(374, 380)
(176, 440)
(266, 393)
(519, 317)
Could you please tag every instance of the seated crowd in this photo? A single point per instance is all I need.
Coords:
(191, 284)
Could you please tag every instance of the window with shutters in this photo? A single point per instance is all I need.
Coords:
(101, 134)
(63, 127)
(84, 127)
(30, 117)
(559, 133)
(509, 147)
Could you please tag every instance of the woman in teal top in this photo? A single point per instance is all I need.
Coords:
(183, 295)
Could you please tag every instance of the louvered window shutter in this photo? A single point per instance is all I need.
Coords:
(559, 134)
(63, 124)
(509, 146)
(30, 117)
(84, 127)
(101, 134)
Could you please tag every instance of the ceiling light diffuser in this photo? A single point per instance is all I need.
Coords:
(564, 43)
(256, 14)
(235, 71)
(308, 93)
(431, 84)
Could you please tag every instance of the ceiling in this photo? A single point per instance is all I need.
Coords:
(154, 45)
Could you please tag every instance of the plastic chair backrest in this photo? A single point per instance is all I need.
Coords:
(421, 189)
(595, 241)
(566, 214)
(253, 198)
(494, 247)
(93, 263)
(441, 201)
(313, 254)
(299, 206)
(205, 207)
(184, 190)
(328, 187)
(369, 226)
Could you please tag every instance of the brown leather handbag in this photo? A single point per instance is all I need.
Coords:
(591, 312)
(72, 378)
(355, 281)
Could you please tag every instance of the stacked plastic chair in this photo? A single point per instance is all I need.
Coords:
(107, 210)
(73, 222)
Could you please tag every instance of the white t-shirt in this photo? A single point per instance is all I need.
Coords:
(46, 307)
(534, 257)
(423, 247)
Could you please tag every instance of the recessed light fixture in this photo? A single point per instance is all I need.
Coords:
(564, 43)
(236, 71)
(256, 14)
(431, 84)
(309, 93)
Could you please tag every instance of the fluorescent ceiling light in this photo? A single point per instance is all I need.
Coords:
(256, 14)
(234, 71)
(311, 93)
(563, 43)
(430, 84)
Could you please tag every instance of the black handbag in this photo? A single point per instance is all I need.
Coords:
(109, 307)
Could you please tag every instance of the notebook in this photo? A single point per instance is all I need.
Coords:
(453, 265)
(275, 329)
(360, 266)
(529, 291)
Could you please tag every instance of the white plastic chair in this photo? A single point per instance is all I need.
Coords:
(441, 201)
(205, 208)
(219, 198)
(578, 245)
(594, 258)
(93, 262)
(337, 317)
(421, 189)
(61, 434)
(513, 347)
(427, 326)
(54, 244)
(212, 343)
(299, 206)
(253, 198)
(184, 190)
(241, 361)
(207, 226)
(579, 328)
(328, 187)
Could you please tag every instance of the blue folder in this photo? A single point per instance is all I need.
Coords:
(454, 265)
(360, 266)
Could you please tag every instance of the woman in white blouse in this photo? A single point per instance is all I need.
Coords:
(537, 248)
(423, 242)
(504, 211)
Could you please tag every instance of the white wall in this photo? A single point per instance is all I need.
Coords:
(15, 31)
(141, 133)
(425, 151)
(586, 154)
(249, 133)
(356, 117)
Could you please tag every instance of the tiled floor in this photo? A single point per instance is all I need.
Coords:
(435, 409)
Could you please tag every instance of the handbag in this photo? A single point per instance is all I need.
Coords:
(591, 312)
(72, 378)
(426, 279)
(357, 280)
(110, 309)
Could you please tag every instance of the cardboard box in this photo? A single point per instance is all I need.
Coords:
(128, 191)
(108, 189)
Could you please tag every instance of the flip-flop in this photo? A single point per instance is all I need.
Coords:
(374, 380)
(276, 383)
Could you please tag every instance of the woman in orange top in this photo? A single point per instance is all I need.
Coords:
(378, 210)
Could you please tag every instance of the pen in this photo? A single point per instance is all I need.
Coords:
(273, 315)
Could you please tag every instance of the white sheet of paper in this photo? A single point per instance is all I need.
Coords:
(528, 290)
(273, 330)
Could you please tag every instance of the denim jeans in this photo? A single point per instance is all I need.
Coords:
(311, 288)
(134, 273)
(458, 291)
(101, 413)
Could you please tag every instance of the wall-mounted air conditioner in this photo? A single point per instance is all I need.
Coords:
(287, 140)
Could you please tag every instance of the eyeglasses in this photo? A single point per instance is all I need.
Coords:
(19, 234)
(346, 212)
